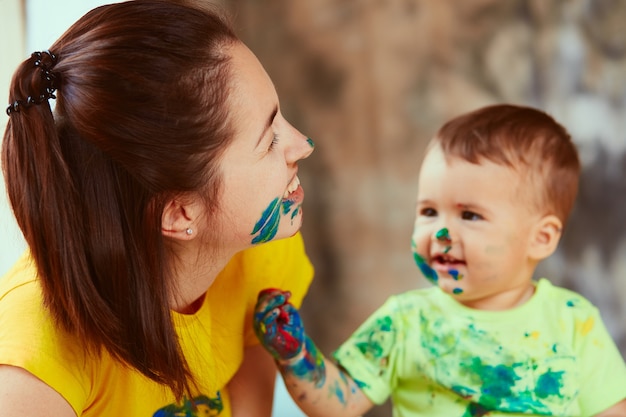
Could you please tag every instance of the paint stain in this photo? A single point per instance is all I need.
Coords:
(457, 291)
(295, 213)
(534, 334)
(310, 142)
(267, 225)
(487, 376)
(584, 327)
(443, 236)
(455, 274)
(287, 204)
(335, 390)
(549, 383)
(310, 367)
(427, 271)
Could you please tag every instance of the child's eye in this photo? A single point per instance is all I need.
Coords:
(470, 215)
(273, 143)
(428, 212)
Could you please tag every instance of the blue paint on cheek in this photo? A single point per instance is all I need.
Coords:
(267, 225)
(457, 291)
(428, 272)
(288, 207)
(455, 274)
(287, 204)
(295, 212)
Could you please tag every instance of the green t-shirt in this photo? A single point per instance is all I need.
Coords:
(435, 357)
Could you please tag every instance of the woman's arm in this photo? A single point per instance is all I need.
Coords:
(316, 384)
(23, 394)
(252, 388)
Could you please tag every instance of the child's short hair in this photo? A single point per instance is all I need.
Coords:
(521, 138)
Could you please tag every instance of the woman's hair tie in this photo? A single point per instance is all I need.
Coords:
(48, 87)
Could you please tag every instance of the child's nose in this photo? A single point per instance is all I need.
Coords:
(442, 237)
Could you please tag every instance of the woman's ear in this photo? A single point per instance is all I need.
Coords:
(545, 237)
(179, 218)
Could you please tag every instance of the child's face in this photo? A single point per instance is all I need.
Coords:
(483, 259)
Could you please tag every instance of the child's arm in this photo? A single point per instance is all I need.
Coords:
(618, 410)
(317, 385)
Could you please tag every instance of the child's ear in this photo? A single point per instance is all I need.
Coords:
(179, 217)
(545, 237)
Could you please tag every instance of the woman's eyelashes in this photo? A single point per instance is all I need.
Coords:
(273, 143)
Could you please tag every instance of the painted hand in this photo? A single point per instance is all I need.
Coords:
(278, 325)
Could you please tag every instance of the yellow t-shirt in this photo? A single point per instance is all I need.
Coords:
(213, 339)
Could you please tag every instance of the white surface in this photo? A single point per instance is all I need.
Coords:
(283, 404)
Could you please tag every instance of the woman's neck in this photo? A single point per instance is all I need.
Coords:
(194, 272)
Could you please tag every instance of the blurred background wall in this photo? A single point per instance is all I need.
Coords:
(371, 80)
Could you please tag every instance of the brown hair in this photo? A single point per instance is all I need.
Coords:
(519, 137)
(141, 116)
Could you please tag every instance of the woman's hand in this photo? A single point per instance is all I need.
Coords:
(278, 325)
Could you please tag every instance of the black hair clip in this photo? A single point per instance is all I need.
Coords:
(50, 83)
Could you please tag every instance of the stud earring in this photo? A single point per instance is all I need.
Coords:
(189, 231)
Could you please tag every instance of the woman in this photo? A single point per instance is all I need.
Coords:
(144, 200)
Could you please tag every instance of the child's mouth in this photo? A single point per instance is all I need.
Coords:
(445, 263)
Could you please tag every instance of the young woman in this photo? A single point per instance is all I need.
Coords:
(145, 198)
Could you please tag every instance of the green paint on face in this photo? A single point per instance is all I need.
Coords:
(267, 226)
(455, 274)
(295, 212)
(443, 235)
(428, 272)
(310, 142)
(457, 291)
(287, 204)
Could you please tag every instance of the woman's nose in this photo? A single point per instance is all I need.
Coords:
(300, 147)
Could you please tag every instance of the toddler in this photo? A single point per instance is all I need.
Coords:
(495, 190)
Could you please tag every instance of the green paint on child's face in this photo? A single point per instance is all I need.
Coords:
(429, 273)
(310, 142)
(443, 236)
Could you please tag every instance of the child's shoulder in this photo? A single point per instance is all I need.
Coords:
(561, 297)
(565, 305)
